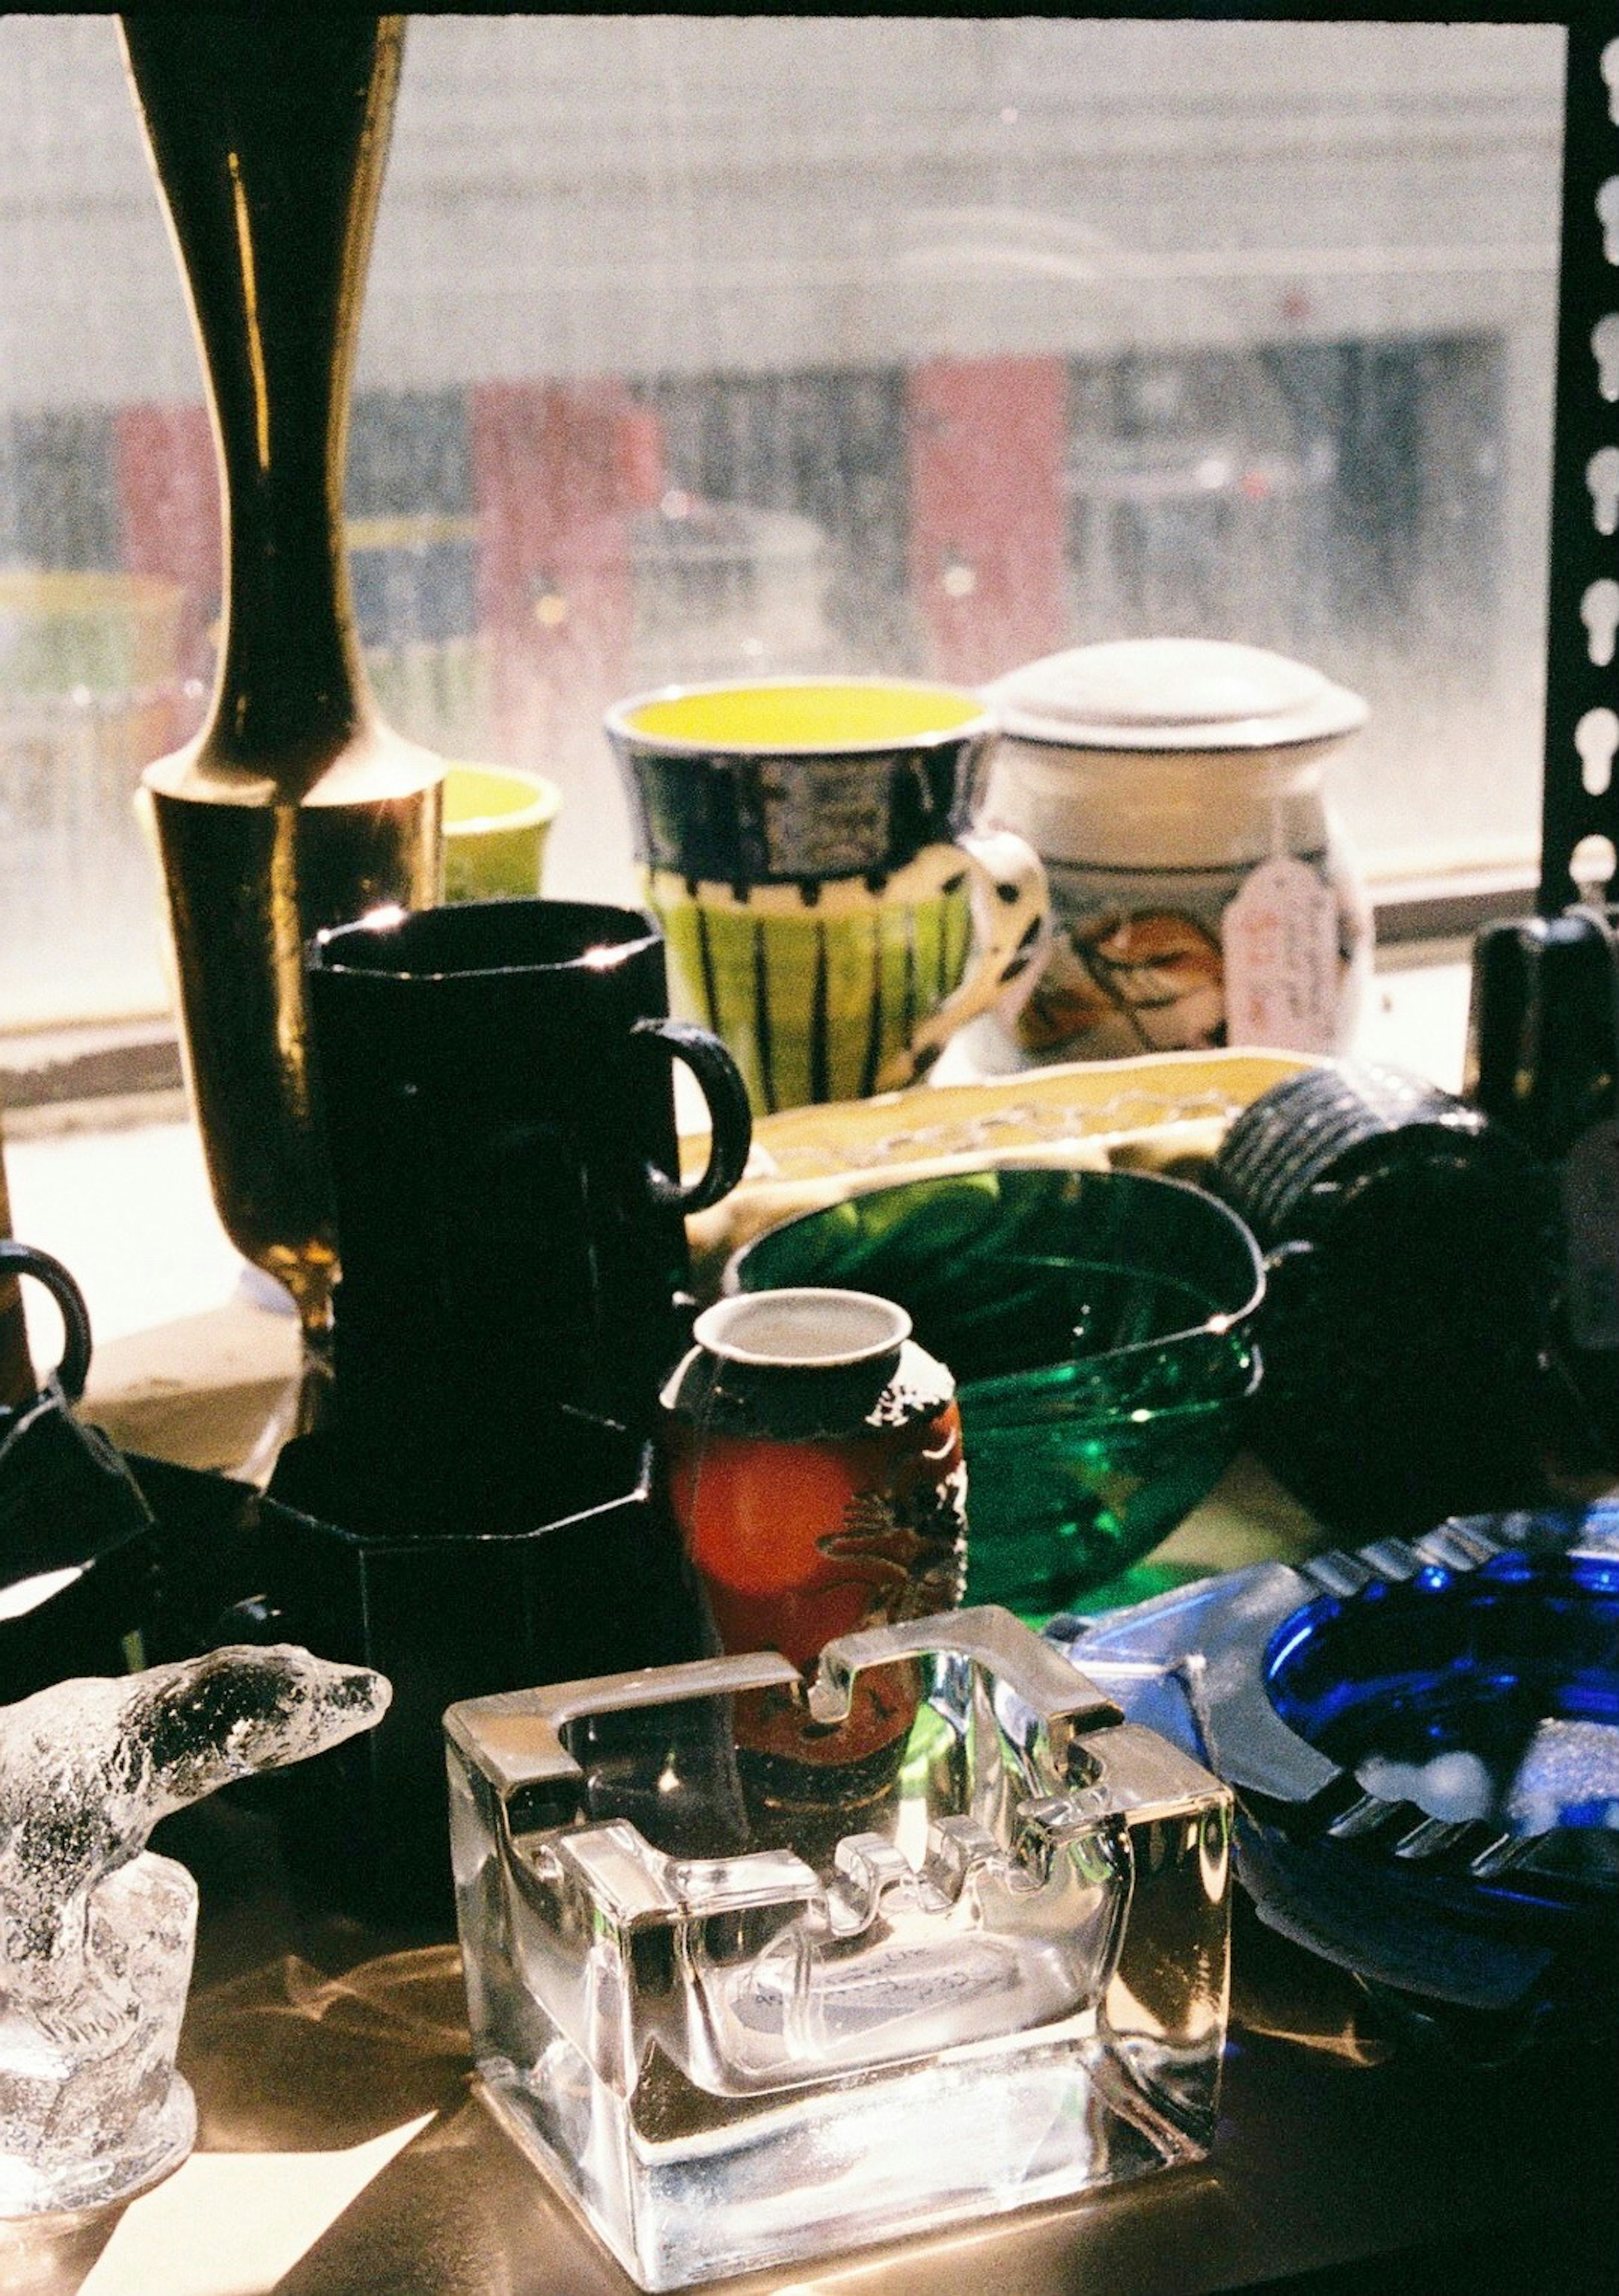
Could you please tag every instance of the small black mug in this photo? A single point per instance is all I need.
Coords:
(498, 1110)
(78, 1586)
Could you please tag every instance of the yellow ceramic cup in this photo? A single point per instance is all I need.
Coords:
(827, 913)
(495, 823)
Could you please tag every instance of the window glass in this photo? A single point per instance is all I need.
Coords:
(699, 347)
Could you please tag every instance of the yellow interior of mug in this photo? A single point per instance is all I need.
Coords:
(819, 715)
(496, 821)
(491, 796)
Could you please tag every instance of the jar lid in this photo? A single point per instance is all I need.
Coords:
(1171, 693)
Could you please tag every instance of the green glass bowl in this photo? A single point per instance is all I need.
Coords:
(1100, 1324)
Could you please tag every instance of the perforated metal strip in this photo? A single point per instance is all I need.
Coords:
(1581, 775)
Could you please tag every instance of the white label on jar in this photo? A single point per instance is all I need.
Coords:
(1280, 937)
(1591, 1214)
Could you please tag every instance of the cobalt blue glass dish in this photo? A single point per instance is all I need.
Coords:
(1423, 1742)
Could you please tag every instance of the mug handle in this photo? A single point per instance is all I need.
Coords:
(27, 1260)
(1011, 933)
(730, 1117)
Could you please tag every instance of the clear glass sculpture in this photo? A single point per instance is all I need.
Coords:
(739, 2032)
(96, 1931)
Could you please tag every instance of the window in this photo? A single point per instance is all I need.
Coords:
(1023, 333)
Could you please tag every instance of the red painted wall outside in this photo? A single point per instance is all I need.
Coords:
(988, 510)
(167, 484)
(557, 470)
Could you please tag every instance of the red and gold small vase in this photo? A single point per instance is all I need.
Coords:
(813, 1457)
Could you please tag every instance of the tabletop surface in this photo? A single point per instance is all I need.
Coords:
(343, 2150)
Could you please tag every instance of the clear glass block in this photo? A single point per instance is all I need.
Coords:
(739, 2031)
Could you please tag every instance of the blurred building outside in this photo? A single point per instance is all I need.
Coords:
(1020, 334)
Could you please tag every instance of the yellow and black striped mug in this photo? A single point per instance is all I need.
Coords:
(826, 909)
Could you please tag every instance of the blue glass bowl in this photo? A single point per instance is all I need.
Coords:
(1100, 1324)
(1423, 1740)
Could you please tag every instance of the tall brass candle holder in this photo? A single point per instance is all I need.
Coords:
(294, 808)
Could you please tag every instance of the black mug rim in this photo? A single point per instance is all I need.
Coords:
(620, 935)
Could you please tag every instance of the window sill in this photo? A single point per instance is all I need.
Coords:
(193, 1363)
(72, 1078)
(94, 1067)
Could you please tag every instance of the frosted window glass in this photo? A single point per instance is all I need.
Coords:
(700, 347)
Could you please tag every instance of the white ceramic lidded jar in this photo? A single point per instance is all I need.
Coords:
(1201, 893)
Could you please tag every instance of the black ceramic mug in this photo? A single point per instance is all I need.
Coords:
(78, 1562)
(498, 1108)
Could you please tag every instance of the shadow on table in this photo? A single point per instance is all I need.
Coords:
(287, 2058)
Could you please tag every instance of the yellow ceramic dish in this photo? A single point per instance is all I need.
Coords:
(495, 823)
(1161, 1111)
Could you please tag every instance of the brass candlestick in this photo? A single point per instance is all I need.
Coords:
(294, 808)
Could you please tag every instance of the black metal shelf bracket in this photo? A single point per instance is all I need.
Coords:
(1579, 822)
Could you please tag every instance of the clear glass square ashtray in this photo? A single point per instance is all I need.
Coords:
(746, 2012)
